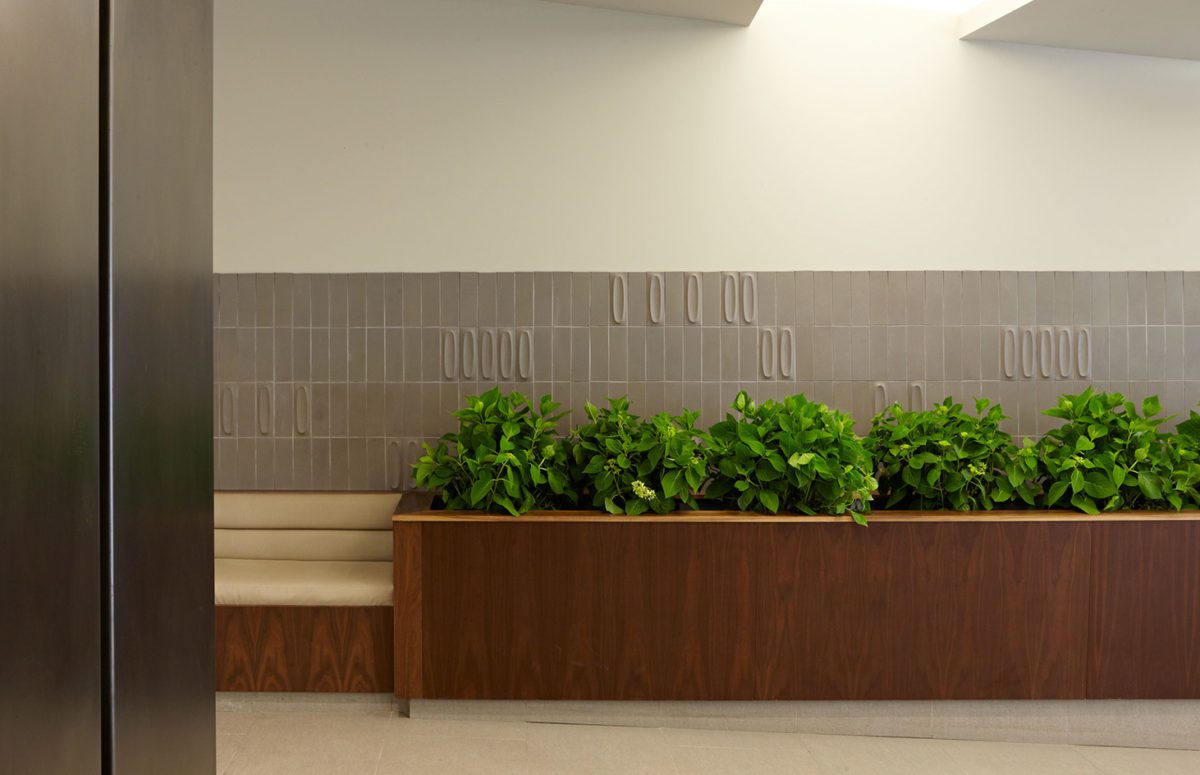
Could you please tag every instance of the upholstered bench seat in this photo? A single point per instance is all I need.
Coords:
(303, 591)
(303, 582)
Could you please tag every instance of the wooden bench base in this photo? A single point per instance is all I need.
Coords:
(303, 649)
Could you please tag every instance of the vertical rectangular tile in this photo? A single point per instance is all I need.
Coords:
(339, 464)
(1118, 298)
(1009, 296)
(1100, 294)
(227, 316)
(523, 294)
(339, 300)
(637, 300)
(264, 299)
(581, 299)
(935, 353)
(637, 353)
(860, 353)
(656, 354)
(264, 354)
(356, 300)
(468, 299)
(897, 298)
(766, 297)
(804, 298)
(970, 352)
(339, 356)
(376, 355)
(1027, 298)
(952, 298)
(283, 300)
(1173, 291)
(543, 298)
(1081, 298)
(841, 348)
(1044, 288)
(356, 354)
(1135, 292)
(393, 300)
(748, 355)
(431, 299)
(840, 299)
(729, 355)
(247, 301)
(598, 353)
(412, 288)
(710, 307)
(1064, 293)
(989, 298)
(487, 299)
(692, 354)
(934, 298)
(1156, 298)
(822, 353)
(283, 354)
(914, 302)
(822, 298)
(1191, 299)
(560, 298)
(618, 353)
(711, 354)
(860, 298)
(450, 308)
(581, 357)
(971, 293)
(599, 307)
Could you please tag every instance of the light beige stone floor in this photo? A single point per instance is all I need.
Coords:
(377, 740)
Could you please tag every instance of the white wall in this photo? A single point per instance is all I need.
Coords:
(422, 135)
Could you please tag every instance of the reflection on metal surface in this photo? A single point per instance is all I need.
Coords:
(50, 538)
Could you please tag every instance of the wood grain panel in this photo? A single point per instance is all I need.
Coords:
(303, 649)
(783, 610)
(407, 620)
(1145, 627)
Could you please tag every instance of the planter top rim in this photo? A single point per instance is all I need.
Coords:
(416, 507)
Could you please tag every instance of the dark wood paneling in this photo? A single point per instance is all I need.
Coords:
(408, 624)
(303, 649)
(1145, 626)
(787, 610)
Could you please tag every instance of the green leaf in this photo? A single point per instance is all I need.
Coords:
(478, 490)
(1151, 406)
(769, 500)
(1056, 491)
(1084, 444)
(1151, 486)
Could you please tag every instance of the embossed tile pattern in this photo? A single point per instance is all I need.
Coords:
(333, 381)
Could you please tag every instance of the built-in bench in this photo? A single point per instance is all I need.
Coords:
(303, 591)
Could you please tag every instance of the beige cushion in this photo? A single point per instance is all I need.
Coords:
(371, 545)
(305, 510)
(303, 582)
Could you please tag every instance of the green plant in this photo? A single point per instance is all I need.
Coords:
(504, 457)
(630, 465)
(943, 458)
(1106, 456)
(795, 455)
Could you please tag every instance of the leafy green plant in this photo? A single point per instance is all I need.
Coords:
(943, 458)
(504, 457)
(630, 465)
(794, 455)
(1106, 456)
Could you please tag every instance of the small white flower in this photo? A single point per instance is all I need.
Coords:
(642, 491)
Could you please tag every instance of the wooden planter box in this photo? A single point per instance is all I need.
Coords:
(732, 606)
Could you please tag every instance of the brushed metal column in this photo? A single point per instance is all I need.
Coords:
(160, 278)
(50, 693)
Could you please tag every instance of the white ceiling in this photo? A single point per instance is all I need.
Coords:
(728, 11)
(1161, 28)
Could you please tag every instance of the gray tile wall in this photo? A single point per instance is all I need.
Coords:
(332, 381)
